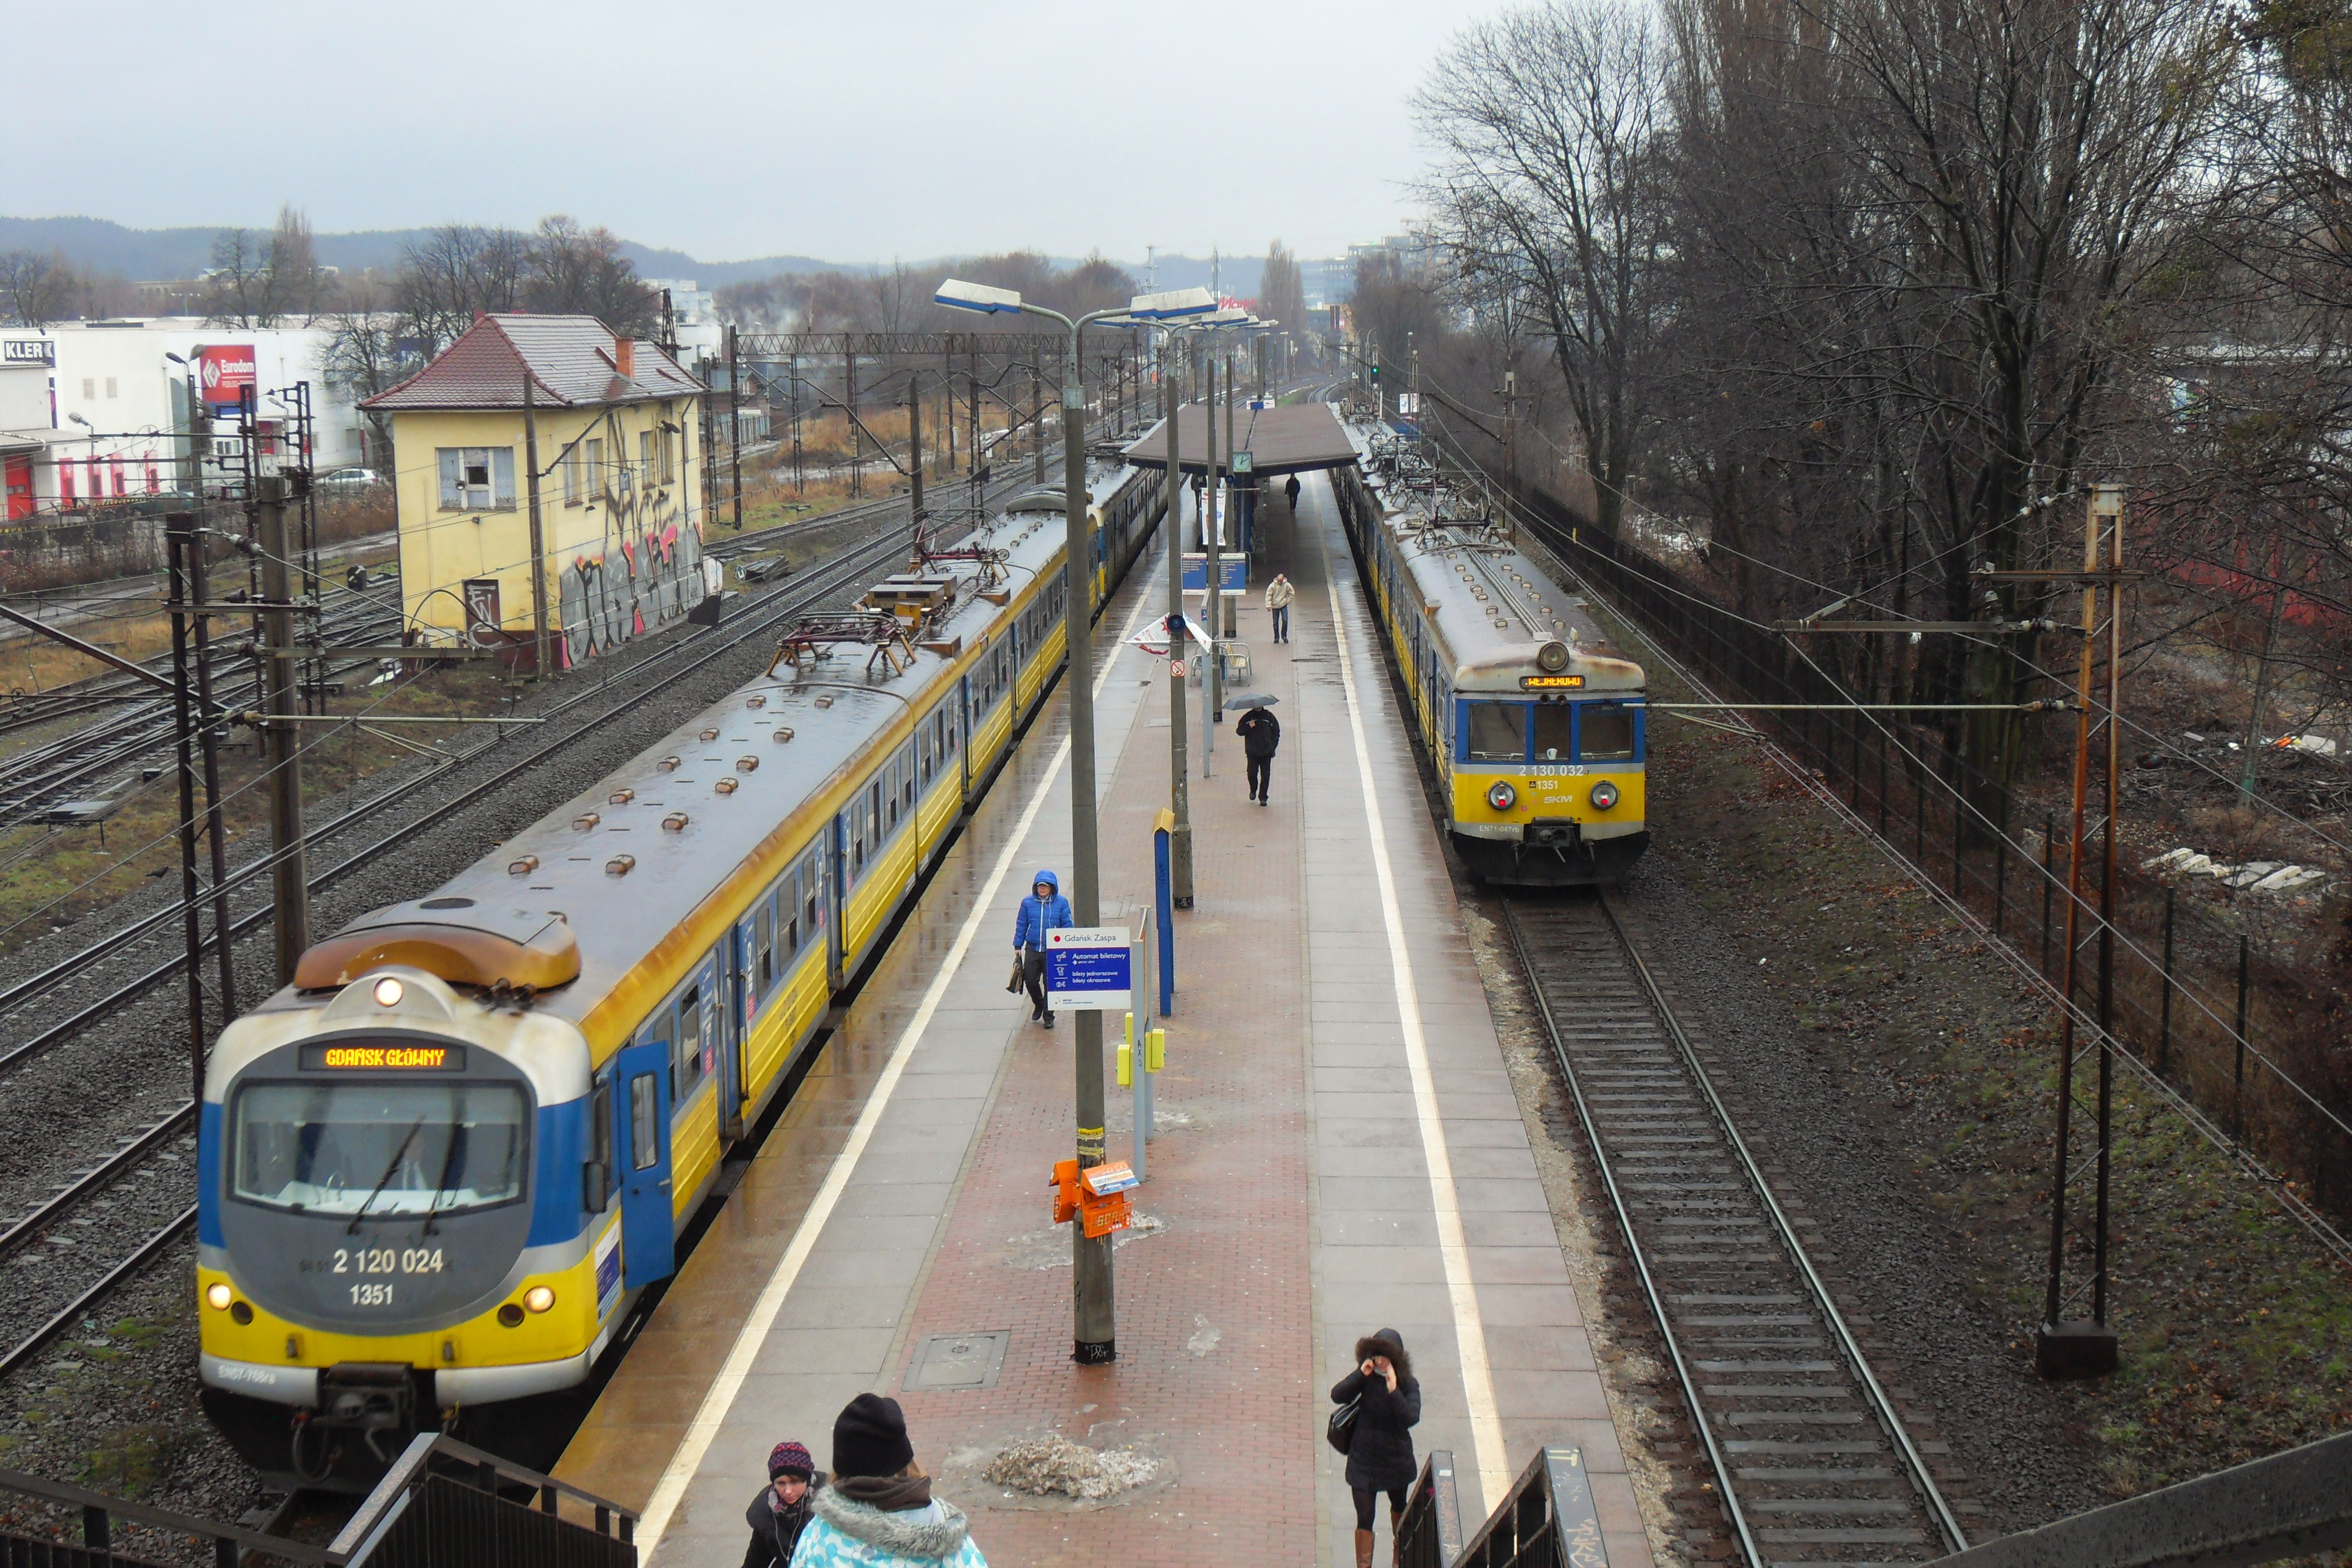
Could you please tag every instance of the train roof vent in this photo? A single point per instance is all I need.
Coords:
(475, 944)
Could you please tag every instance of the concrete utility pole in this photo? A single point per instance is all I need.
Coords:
(735, 425)
(1037, 414)
(537, 536)
(1096, 1335)
(1179, 837)
(1212, 620)
(289, 885)
(915, 449)
(1228, 610)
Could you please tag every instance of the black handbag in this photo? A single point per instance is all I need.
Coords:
(1340, 1431)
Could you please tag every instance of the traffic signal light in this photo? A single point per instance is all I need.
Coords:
(1376, 372)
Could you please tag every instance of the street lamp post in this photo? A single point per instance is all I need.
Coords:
(1094, 1337)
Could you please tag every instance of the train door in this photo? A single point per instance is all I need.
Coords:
(641, 1111)
(963, 753)
(836, 897)
(736, 958)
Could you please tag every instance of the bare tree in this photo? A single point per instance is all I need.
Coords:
(37, 289)
(455, 272)
(579, 270)
(1551, 123)
(1281, 292)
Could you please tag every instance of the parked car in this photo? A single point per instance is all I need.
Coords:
(349, 480)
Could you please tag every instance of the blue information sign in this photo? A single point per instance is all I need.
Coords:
(1089, 968)
(1233, 572)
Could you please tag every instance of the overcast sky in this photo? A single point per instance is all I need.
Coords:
(852, 130)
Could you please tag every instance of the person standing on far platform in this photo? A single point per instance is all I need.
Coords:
(1261, 733)
(1044, 910)
(879, 1511)
(781, 1510)
(1380, 1449)
(1290, 493)
(1279, 594)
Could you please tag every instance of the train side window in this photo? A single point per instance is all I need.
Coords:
(763, 946)
(856, 841)
(1605, 733)
(874, 814)
(888, 787)
(1553, 722)
(687, 1052)
(907, 778)
(1498, 732)
(645, 1122)
(788, 914)
(812, 888)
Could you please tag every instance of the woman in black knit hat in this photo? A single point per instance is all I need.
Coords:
(1380, 1449)
(878, 1512)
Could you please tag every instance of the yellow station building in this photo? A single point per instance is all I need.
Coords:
(618, 486)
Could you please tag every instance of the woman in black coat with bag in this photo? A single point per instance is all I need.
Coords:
(1380, 1445)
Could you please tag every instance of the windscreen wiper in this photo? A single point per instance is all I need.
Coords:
(384, 1181)
(448, 1162)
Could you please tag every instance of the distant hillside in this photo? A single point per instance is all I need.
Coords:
(97, 244)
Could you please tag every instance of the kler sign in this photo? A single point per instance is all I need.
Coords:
(226, 370)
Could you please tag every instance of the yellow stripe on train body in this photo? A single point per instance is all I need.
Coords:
(1555, 791)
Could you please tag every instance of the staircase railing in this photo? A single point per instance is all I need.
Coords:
(2287, 1505)
(443, 1505)
(1429, 1535)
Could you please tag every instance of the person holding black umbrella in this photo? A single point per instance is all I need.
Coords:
(1260, 734)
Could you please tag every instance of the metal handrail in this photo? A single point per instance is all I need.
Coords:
(1429, 1531)
(415, 1466)
(228, 1541)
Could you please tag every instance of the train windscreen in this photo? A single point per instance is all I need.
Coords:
(360, 1148)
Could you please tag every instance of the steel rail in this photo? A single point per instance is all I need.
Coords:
(90, 1183)
(1881, 1404)
(139, 1258)
(1715, 1460)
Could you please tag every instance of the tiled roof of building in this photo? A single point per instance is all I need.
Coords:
(573, 362)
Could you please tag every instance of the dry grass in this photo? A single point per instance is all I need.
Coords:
(50, 876)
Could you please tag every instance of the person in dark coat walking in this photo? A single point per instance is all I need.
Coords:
(1290, 491)
(781, 1510)
(1380, 1450)
(1261, 735)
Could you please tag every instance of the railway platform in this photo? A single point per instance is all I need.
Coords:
(1339, 1151)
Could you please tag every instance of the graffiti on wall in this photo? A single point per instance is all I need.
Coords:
(649, 576)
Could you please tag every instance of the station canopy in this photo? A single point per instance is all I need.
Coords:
(1299, 438)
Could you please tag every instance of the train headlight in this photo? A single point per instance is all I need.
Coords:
(539, 1298)
(1502, 797)
(1604, 795)
(388, 992)
(218, 1296)
(1552, 657)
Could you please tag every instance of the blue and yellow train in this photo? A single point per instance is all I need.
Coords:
(1534, 724)
(437, 1170)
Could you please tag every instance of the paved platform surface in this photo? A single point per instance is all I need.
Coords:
(1339, 1151)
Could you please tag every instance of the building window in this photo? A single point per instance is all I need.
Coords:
(89, 389)
(116, 467)
(111, 391)
(596, 483)
(153, 488)
(477, 478)
(572, 485)
(647, 463)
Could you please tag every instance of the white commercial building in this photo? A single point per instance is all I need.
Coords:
(96, 412)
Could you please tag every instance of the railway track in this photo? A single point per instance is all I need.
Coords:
(140, 726)
(171, 1139)
(1813, 1462)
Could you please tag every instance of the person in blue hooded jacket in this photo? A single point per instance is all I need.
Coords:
(1041, 911)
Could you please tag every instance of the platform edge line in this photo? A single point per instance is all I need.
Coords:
(1453, 1247)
